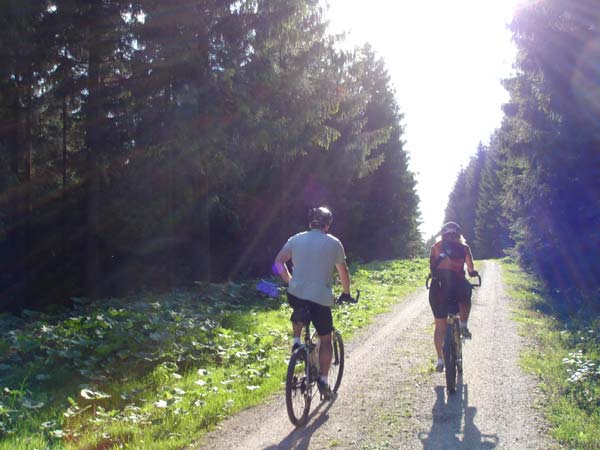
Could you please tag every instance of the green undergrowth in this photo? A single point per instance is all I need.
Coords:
(156, 371)
(565, 357)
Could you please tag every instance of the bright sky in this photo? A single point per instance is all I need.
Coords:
(446, 60)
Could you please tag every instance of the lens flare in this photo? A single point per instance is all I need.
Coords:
(585, 81)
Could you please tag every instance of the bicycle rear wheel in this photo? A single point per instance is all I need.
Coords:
(298, 388)
(336, 369)
(450, 359)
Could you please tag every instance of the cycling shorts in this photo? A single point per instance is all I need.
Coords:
(305, 311)
(448, 288)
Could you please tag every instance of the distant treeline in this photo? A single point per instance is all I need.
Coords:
(536, 187)
(152, 143)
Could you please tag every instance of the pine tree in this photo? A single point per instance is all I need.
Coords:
(491, 229)
(553, 144)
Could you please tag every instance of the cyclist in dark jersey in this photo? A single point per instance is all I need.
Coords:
(447, 261)
(315, 255)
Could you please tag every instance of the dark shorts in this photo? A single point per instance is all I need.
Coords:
(447, 289)
(305, 311)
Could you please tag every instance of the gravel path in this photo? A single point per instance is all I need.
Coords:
(391, 399)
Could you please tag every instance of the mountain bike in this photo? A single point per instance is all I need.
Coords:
(453, 341)
(303, 372)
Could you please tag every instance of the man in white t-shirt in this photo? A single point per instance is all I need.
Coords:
(315, 255)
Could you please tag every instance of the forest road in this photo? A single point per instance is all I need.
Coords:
(390, 398)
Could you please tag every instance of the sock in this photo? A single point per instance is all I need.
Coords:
(463, 323)
(323, 378)
(296, 340)
(440, 361)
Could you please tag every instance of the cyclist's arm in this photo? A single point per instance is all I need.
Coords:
(433, 256)
(469, 260)
(279, 266)
(342, 269)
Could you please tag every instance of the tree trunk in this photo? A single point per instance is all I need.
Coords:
(202, 226)
(171, 214)
(201, 176)
(16, 237)
(28, 211)
(93, 122)
(172, 199)
(12, 130)
(63, 192)
(64, 145)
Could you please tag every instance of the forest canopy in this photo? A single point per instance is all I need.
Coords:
(153, 143)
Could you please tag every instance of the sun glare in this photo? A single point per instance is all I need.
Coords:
(445, 60)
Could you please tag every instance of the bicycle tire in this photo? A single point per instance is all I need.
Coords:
(450, 360)
(298, 388)
(336, 369)
(459, 356)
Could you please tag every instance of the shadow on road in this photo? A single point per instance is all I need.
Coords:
(446, 431)
(299, 438)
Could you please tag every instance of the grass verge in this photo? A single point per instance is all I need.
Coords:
(157, 371)
(565, 357)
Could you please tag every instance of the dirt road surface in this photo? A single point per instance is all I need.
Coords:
(390, 398)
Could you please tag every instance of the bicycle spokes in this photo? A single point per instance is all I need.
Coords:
(298, 388)
(303, 373)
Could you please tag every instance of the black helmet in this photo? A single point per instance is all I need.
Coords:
(319, 217)
(451, 228)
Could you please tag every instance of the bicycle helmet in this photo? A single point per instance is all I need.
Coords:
(451, 228)
(319, 217)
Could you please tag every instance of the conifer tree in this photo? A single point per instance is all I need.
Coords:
(552, 142)
(491, 233)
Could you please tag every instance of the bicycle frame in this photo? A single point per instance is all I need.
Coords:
(300, 384)
(312, 350)
(310, 345)
(453, 323)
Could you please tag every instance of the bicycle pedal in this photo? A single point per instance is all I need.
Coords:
(329, 398)
(465, 334)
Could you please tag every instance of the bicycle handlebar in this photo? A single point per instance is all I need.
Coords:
(478, 281)
(348, 298)
(430, 277)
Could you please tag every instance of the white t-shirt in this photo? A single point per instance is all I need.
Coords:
(314, 255)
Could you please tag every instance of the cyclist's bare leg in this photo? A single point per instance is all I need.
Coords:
(297, 329)
(325, 354)
(438, 336)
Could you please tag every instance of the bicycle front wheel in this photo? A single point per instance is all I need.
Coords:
(336, 369)
(450, 359)
(298, 387)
